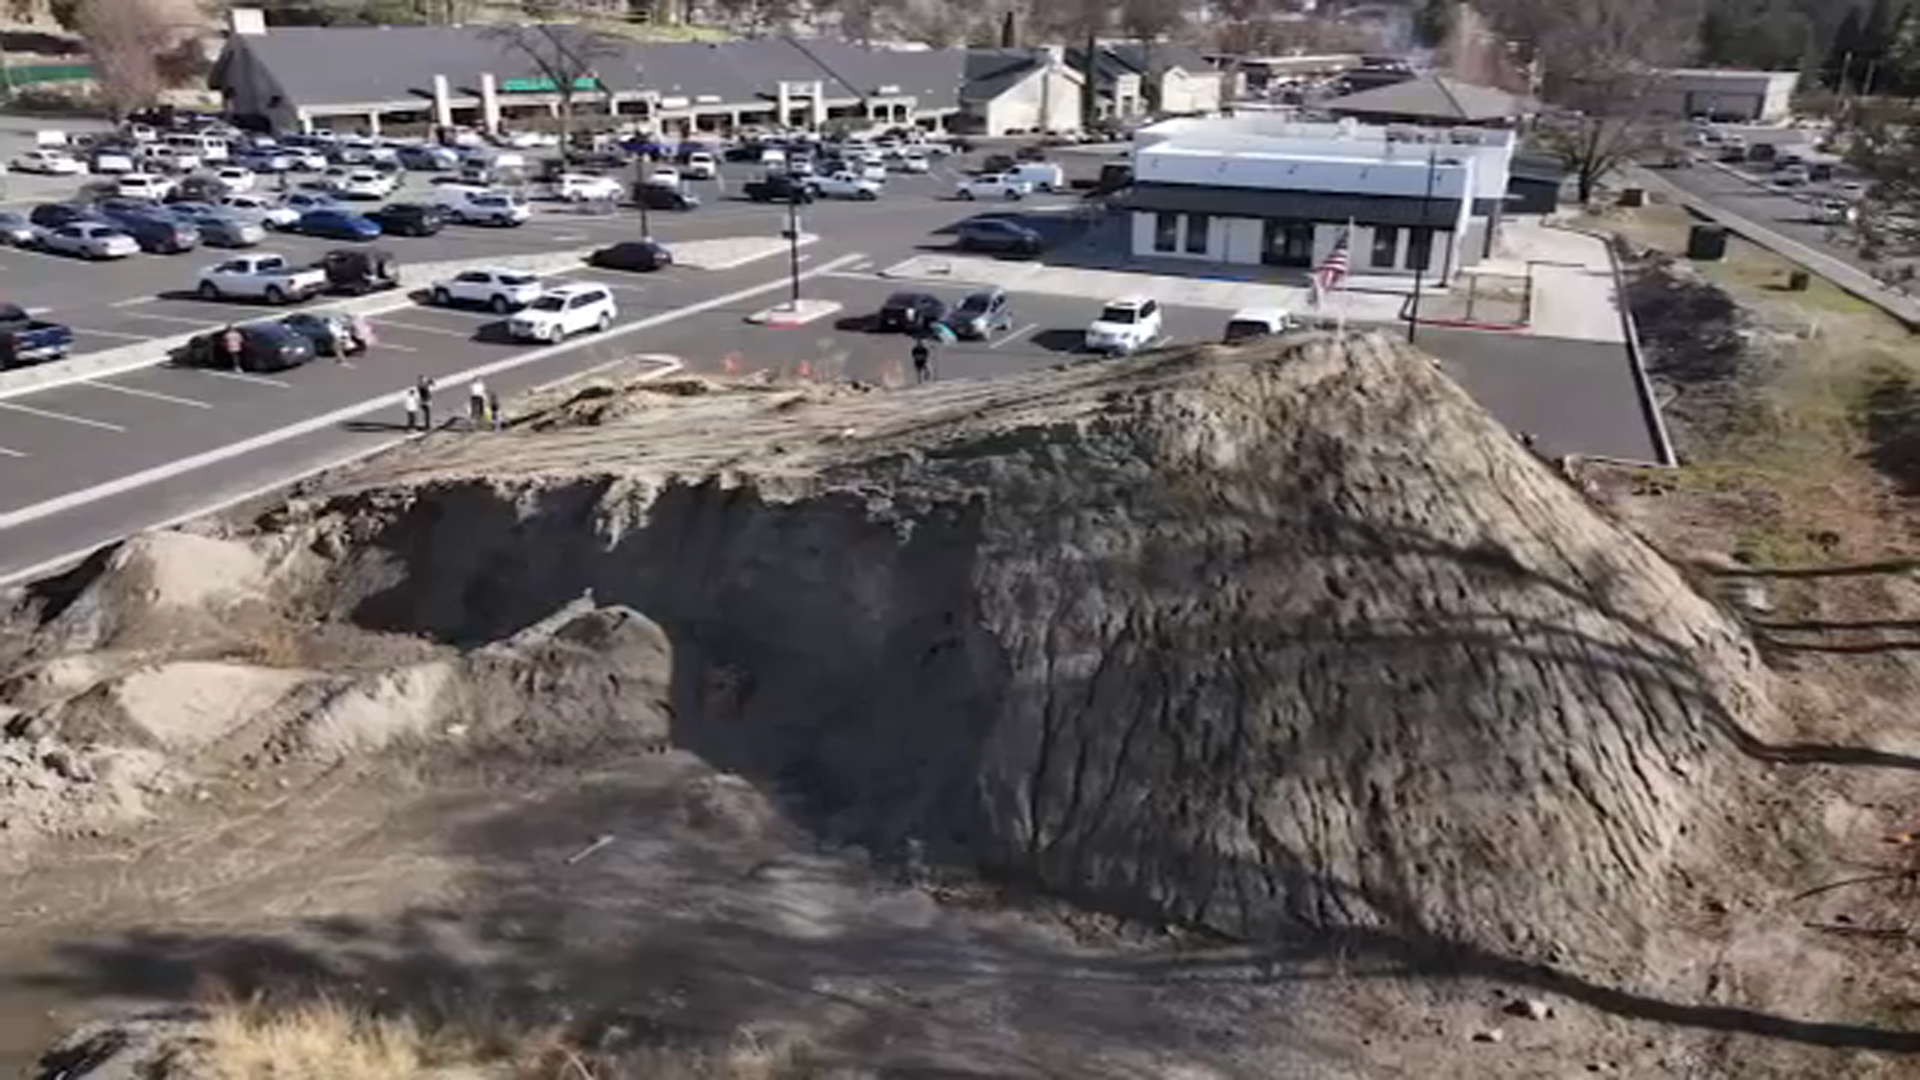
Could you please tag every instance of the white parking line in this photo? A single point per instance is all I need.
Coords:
(240, 376)
(135, 301)
(4, 452)
(183, 320)
(124, 336)
(34, 310)
(51, 415)
(419, 328)
(154, 394)
(1016, 335)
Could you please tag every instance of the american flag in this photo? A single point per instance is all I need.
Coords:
(1333, 269)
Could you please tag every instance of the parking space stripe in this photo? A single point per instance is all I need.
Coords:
(398, 325)
(49, 414)
(124, 336)
(170, 318)
(1015, 335)
(154, 394)
(240, 376)
(5, 452)
(133, 301)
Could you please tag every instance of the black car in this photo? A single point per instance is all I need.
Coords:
(632, 255)
(55, 215)
(205, 189)
(779, 187)
(329, 332)
(410, 219)
(911, 311)
(263, 347)
(358, 271)
(664, 197)
(981, 315)
(997, 234)
(154, 230)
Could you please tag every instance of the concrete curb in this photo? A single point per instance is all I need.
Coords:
(146, 354)
(788, 315)
(1642, 382)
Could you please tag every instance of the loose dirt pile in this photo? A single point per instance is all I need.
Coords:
(1249, 641)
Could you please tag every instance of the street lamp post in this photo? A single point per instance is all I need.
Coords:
(793, 245)
(1422, 257)
(640, 195)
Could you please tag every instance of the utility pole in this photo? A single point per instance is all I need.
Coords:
(640, 195)
(1420, 264)
(793, 245)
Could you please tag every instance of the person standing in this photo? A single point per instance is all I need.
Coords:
(423, 388)
(922, 361)
(477, 405)
(493, 410)
(410, 401)
(232, 345)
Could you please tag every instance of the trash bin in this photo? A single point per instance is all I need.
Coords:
(1633, 196)
(1707, 243)
(1798, 280)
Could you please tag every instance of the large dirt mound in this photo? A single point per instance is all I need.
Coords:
(1247, 639)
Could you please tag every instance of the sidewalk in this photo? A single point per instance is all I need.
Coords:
(1171, 289)
(1572, 280)
(1843, 274)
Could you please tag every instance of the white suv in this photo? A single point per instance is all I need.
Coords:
(1124, 325)
(564, 310)
(501, 290)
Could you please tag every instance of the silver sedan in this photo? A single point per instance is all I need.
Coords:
(221, 228)
(89, 240)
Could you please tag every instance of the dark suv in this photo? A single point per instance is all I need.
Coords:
(995, 234)
(911, 311)
(55, 215)
(410, 219)
(152, 228)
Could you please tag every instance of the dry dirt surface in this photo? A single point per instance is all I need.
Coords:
(1219, 713)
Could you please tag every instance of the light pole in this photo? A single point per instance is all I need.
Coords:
(640, 195)
(1420, 264)
(793, 244)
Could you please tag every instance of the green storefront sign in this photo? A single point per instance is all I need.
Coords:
(544, 85)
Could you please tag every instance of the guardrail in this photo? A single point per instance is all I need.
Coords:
(125, 358)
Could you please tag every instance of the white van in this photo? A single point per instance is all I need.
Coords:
(1043, 175)
(204, 147)
(484, 206)
(1249, 324)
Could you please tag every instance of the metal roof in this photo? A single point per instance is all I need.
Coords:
(1330, 207)
(1430, 97)
(344, 65)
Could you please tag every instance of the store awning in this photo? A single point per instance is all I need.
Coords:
(1327, 206)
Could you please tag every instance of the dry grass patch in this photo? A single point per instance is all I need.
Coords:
(315, 1040)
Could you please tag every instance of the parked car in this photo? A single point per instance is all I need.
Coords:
(997, 186)
(1043, 175)
(410, 219)
(269, 212)
(220, 227)
(637, 255)
(264, 347)
(499, 290)
(358, 271)
(1125, 325)
(778, 187)
(48, 162)
(262, 160)
(110, 161)
(585, 187)
(1249, 324)
(913, 161)
(981, 314)
(484, 206)
(26, 340)
(89, 240)
(656, 197)
(997, 234)
(563, 311)
(54, 215)
(365, 184)
(167, 159)
(197, 189)
(156, 230)
(428, 158)
(144, 186)
(331, 333)
(237, 179)
(16, 228)
(336, 224)
(912, 312)
(272, 278)
(845, 185)
(702, 165)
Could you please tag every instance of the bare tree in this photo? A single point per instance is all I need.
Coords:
(1598, 62)
(124, 38)
(567, 56)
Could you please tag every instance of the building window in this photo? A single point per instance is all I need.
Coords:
(1166, 232)
(1196, 234)
(1420, 249)
(1386, 245)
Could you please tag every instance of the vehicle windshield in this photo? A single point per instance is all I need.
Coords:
(1242, 329)
(976, 304)
(549, 303)
(905, 299)
(1119, 313)
(517, 279)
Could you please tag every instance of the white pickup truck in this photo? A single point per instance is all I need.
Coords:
(844, 185)
(261, 277)
(1003, 186)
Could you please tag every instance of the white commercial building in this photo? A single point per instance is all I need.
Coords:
(1255, 190)
(1726, 94)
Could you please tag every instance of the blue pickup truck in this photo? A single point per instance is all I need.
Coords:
(25, 340)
